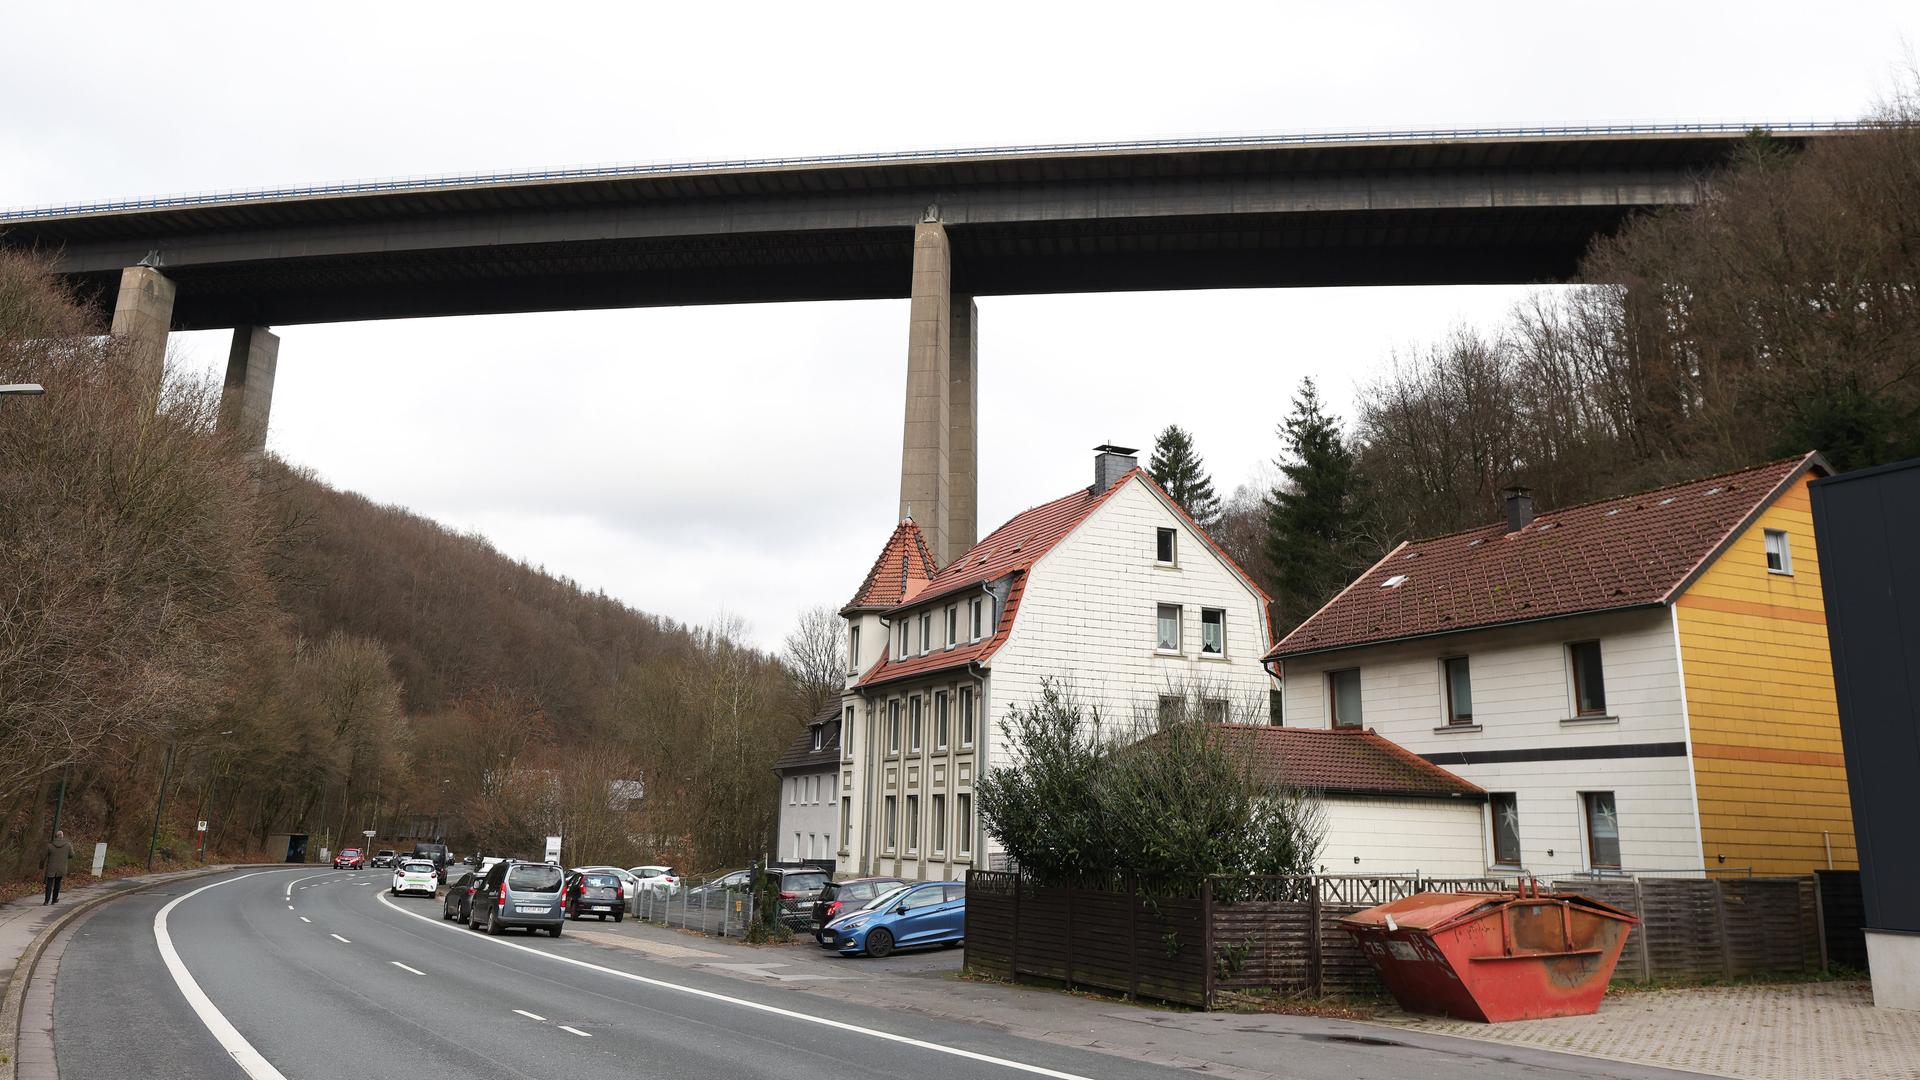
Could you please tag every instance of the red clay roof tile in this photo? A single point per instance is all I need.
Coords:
(903, 568)
(1342, 762)
(1633, 551)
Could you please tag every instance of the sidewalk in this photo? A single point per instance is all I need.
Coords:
(1243, 1046)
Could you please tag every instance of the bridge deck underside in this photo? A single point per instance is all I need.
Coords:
(1448, 246)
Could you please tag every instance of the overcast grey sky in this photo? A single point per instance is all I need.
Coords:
(630, 450)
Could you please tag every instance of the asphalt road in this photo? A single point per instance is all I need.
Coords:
(310, 973)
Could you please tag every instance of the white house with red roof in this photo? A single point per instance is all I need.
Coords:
(1638, 684)
(1111, 588)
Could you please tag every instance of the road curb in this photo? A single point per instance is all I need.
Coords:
(15, 997)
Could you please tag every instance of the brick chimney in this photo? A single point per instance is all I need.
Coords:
(1519, 507)
(1110, 463)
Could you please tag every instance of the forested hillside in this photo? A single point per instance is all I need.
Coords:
(182, 619)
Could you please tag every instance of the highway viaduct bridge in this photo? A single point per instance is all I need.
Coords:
(1440, 207)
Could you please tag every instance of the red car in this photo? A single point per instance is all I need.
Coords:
(350, 859)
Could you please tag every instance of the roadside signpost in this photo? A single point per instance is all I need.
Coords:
(553, 849)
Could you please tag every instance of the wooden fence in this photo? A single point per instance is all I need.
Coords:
(1281, 934)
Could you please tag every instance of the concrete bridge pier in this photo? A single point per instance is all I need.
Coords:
(247, 398)
(143, 316)
(938, 452)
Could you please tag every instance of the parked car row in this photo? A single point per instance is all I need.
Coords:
(872, 916)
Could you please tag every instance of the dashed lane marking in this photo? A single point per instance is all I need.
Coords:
(303, 918)
(404, 967)
(340, 939)
(745, 1003)
(531, 1016)
(576, 1031)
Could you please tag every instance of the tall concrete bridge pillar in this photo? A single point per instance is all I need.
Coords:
(963, 430)
(926, 441)
(247, 398)
(143, 316)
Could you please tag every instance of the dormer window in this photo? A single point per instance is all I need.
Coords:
(853, 650)
(953, 626)
(900, 640)
(1165, 546)
(926, 632)
(974, 607)
(819, 738)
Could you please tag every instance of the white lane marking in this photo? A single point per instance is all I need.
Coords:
(576, 1031)
(340, 939)
(531, 1016)
(710, 995)
(297, 881)
(404, 967)
(289, 907)
(229, 1037)
(303, 918)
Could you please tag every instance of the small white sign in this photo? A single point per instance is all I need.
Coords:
(368, 833)
(99, 860)
(200, 826)
(553, 849)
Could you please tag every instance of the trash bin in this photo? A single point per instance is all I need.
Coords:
(1493, 957)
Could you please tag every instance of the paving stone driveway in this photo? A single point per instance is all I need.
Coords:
(1805, 1031)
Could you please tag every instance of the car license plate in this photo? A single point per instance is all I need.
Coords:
(525, 910)
(603, 907)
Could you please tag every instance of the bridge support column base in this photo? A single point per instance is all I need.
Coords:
(142, 317)
(246, 401)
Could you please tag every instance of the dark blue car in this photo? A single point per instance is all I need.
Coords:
(931, 913)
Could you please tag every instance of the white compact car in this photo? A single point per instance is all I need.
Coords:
(659, 880)
(415, 876)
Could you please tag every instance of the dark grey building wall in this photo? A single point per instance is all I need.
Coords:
(1868, 529)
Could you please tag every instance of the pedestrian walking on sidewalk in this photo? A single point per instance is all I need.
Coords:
(54, 865)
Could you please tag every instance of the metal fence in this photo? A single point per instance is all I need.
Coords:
(709, 907)
(712, 908)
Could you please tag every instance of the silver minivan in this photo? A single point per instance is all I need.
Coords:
(519, 894)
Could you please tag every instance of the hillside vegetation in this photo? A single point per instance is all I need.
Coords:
(289, 657)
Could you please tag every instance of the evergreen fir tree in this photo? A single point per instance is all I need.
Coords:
(1313, 515)
(1179, 469)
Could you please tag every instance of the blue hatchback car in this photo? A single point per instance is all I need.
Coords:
(931, 913)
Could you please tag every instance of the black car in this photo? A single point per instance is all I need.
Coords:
(839, 898)
(595, 892)
(433, 853)
(458, 906)
(384, 857)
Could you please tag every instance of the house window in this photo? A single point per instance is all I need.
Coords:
(974, 608)
(939, 825)
(1168, 630)
(893, 727)
(1779, 554)
(819, 737)
(1213, 632)
(846, 734)
(1589, 685)
(1213, 710)
(1505, 809)
(926, 632)
(963, 823)
(853, 650)
(1172, 707)
(913, 824)
(796, 845)
(940, 720)
(1164, 546)
(846, 822)
(1459, 690)
(913, 724)
(1343, 689)
(793, 791)
(900, 642)
(953, 627)
(893, 822)
(966, 716)
(1603, 830)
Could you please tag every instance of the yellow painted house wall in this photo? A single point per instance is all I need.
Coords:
(1760, 704)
